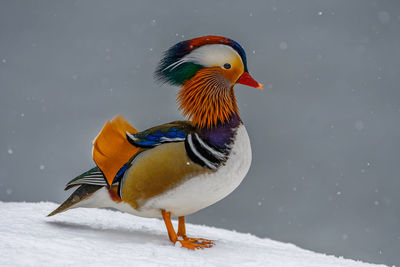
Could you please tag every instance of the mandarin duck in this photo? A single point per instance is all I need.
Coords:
(181, 167)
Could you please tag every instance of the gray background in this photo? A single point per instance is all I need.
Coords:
(325, 131)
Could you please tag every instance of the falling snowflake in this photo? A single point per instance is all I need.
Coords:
(283, 45)
(359, 125)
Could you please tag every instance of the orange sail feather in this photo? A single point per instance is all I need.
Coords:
(111, 149)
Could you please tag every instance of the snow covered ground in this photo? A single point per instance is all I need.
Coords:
(96, 237)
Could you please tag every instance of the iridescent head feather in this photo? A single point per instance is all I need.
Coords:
(207, 68)
(177, 66)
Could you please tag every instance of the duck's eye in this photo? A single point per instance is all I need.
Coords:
(227, 66)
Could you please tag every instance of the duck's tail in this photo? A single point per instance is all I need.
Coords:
(111, 150)
(88, 183)
(84, 192)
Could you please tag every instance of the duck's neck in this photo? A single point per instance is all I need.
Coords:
(222, 134)
(207, 99)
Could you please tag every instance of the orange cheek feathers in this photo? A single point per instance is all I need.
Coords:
(207, 99)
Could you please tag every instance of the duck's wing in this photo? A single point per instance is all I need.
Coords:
(172, 132)
(118, 143)
(157, 170)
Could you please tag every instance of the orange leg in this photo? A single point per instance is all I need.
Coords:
(190, 243)
(170, 228)
(181, 227)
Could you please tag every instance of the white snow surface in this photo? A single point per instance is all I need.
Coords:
(99, 237)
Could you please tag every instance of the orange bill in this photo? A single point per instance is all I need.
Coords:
(111, 149)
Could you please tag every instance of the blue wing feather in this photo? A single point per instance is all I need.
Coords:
(146, 143)
(166, 133)
(170, 134)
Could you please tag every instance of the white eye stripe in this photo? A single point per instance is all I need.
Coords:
(209, 56)
(214, 55)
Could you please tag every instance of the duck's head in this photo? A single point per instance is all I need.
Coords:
(207, 68)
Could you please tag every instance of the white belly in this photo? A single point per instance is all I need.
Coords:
(195, 193)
